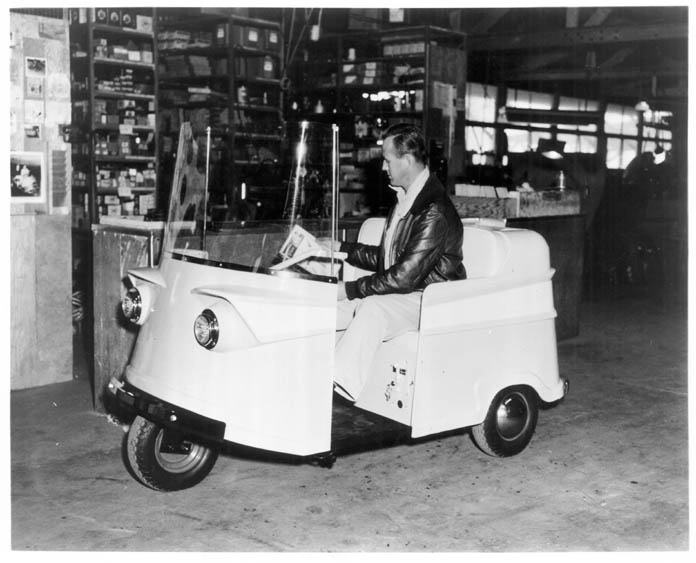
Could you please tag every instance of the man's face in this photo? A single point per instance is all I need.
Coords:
(394, 165)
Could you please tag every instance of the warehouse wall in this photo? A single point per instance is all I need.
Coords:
(40, 226)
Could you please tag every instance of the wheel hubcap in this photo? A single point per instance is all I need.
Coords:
(512, 416)
(179, 463)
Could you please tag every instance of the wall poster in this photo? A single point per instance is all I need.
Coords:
(27, 177)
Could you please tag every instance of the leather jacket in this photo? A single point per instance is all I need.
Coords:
(426, 248)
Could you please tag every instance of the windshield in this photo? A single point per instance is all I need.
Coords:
(211, 219)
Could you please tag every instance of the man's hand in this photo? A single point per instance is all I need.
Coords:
(341, 293)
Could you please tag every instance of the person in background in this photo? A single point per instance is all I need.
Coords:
(421, 244)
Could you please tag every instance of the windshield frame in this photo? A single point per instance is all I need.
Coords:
(192, 235)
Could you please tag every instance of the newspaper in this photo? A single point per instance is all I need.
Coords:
(300, 246)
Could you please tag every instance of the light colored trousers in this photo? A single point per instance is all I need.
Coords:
(366, 323)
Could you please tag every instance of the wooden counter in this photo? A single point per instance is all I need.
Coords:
(116, 249)
(556, 215)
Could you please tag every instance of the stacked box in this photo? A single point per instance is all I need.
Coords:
(272, 40)
(248, 36)
(114, 15)
(370, 72)
(407, 48)
(143, 23)
(128, 20)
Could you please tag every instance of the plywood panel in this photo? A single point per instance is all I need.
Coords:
(40, 316)
(114, 253)
(23, 343)
(53, 298)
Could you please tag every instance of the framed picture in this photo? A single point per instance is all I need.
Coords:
(35, 66)
(27, 177)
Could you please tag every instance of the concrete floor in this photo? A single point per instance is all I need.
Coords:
(607, 471)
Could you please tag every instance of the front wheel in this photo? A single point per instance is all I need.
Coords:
(509, 423)
(162, 467)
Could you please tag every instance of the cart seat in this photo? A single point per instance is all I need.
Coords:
(485, 248)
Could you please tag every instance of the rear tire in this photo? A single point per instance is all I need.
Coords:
(166, 471)
(510, 422)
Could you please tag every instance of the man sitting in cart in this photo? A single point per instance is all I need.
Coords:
(421, 244)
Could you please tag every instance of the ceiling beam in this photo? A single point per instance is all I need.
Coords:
(598, 17)
(536, 62)
(617, 58)
(578, 36)
(595, 74)
(489, 20)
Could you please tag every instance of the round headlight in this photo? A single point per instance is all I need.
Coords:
(206, 329)
(132, 305)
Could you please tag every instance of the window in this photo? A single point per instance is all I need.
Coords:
(529, 100)
(578, 143)
(481, 102)
(523, 140)
(621, 120)
(620, 152)
(479, 139)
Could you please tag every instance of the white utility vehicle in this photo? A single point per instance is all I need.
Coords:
(238, 329)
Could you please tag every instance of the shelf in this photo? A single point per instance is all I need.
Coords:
(205, 21)
(210, 51)
(256, 107)
(251, 51)
(122, 95)
(383, 86)
(100, 79)
(124, 63)
(114, 30)
(234, 63)
(259, 80)
(174, 81)
(364, 87)
(113, 191)
(123, 159)
(135, 128)
(258, 136)
(217, 104)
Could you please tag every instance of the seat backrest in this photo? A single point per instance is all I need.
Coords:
(371, 230)
(487, 249)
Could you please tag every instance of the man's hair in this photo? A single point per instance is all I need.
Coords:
(407, 139)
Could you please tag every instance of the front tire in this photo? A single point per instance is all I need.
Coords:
(164, 471)
(509, 423)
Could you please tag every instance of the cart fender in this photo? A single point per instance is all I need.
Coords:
(271, 316)
(486, 389)
(151, 275)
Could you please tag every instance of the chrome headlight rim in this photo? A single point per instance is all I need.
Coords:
(134, 312)
(213, 329)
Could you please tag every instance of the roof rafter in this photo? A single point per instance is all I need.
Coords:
(578, 36)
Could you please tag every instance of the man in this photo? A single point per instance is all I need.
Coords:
(421, 244)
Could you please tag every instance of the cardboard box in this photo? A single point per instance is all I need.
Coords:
(143, 23)
(114, 17)
(101, 15)
(248, 36)
(128, 18)
(272, 42)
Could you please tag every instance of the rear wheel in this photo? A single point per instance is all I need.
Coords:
(164, 464)
(509, 423)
